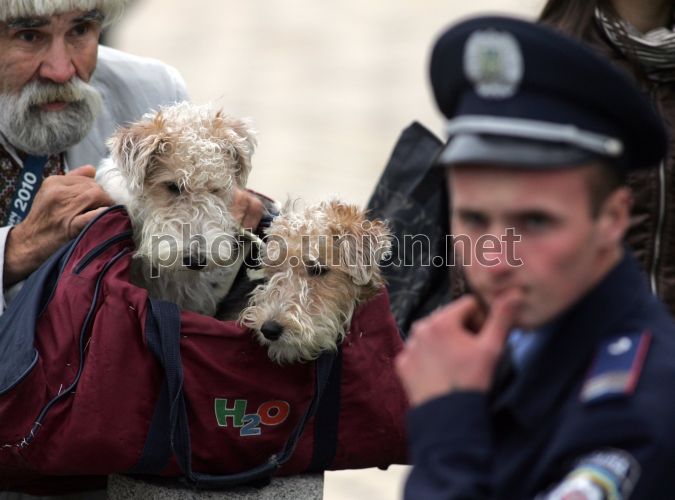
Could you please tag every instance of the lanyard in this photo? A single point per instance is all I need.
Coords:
(26, 186)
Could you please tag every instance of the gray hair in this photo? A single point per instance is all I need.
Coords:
(16, 9)
(39, 132)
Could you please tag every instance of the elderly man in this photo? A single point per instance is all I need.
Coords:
(554, 378)
(56, 110)
(61, 96)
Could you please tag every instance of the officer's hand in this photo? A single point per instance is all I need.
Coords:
(246, 208)
(456, 348)
(63, 205)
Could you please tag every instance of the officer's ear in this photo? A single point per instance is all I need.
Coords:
(614, 216)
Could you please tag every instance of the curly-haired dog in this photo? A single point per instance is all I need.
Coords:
(319, 264)
(175, 170)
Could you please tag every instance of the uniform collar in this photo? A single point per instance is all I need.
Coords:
(568, 350)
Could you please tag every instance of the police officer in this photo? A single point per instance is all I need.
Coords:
(554, 377)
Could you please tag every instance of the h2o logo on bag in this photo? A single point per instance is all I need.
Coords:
(269, 413)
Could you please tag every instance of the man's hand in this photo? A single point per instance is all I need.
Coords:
(455, 348)
(61, 208)
(246, 208)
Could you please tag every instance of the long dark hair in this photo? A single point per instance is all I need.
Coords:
(574, 17)
(577, 19)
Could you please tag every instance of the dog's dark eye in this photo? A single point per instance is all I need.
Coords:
(173, 187)
(316, 269)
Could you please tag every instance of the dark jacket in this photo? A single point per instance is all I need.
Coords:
(652, 232)
(596, 396)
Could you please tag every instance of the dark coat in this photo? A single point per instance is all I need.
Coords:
(652, 231)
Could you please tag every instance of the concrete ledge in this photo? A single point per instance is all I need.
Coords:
(301, 487)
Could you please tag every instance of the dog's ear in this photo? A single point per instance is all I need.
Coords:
(135, 148)
(362, 244)
(239, 140)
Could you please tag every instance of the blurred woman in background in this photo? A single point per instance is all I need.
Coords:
(639, 36)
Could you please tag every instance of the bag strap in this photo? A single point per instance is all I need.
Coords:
(163, 334)
(327, 419)
(156, 453)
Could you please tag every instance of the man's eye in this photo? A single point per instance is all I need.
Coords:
(28, 36)
(536, 222)
(473, 220)
(80, 29)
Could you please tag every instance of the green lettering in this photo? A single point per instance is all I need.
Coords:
(237, 412)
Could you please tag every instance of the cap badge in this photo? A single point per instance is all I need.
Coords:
(494, 63)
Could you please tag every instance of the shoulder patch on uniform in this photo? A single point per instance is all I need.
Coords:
(608, 474)
(616, 368)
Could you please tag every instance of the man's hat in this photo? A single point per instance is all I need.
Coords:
(521, 94)
(16, 9)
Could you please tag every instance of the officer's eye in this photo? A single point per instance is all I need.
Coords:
(473, 219)
(173, 188)
(536, 222)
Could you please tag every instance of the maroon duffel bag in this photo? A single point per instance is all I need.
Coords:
(97, 379)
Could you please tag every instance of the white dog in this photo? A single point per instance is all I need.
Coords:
(175, 170)
(319, 264)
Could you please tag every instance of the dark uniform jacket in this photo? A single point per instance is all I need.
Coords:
(591, 413)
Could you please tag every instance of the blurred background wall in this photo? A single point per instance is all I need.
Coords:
(329, 85)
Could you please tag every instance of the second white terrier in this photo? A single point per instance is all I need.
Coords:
(176, 171)
(319, 264)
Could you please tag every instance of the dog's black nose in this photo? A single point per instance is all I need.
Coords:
(195, 262)
(271, 330)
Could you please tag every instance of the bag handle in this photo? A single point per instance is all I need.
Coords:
(163, 334)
